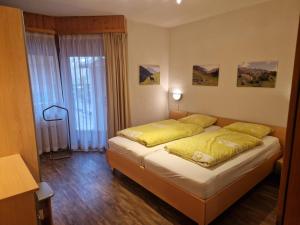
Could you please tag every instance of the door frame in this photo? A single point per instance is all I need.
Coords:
(292, 155)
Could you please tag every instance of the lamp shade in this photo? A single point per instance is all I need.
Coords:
(177, 95)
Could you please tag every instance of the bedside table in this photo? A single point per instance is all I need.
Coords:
(278, 166)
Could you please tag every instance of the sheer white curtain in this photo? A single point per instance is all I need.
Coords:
(84, 85)
(46, 91)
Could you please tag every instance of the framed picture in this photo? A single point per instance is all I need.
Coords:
(206, 75)
(257, 74)
(149, 74)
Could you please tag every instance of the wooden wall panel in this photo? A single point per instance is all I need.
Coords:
(90, 24)
(74, 24)
(17, 131)
(36, 22)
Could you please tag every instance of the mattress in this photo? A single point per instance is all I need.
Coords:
(135, 151)
(205, 182)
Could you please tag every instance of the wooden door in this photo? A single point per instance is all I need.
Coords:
(289, 199)
(17, 132)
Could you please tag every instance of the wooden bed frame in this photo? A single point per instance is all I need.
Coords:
(203, 211)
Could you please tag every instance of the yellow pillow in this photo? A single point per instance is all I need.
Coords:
(199, 119)
(256, 130)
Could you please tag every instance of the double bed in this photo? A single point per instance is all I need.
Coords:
(137, 152)
(200, 193)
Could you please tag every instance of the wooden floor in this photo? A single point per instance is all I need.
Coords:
(87, 193)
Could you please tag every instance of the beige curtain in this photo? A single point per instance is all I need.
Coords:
(115, 48)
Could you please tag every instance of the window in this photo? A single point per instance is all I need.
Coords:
(46, 91)
(82, 81)
(84, 87)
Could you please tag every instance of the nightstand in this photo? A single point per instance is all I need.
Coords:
(278, 166)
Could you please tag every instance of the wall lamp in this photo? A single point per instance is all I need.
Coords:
(177, 95)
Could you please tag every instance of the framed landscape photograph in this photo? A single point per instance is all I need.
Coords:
(149, 74)
(257, 74)
(206, 75)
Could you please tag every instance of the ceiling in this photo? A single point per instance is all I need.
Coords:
(165, 13)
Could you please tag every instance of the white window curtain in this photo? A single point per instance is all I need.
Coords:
(46, 91)
(84, 84)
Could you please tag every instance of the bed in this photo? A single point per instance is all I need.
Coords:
(206, 182)
(203, 194)
(135, 151)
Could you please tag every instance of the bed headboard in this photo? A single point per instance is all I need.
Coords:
(278, 132)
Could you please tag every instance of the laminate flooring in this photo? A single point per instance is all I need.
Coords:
(88, 193)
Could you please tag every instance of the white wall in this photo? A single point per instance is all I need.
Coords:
(264, 32)
(147, 44)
